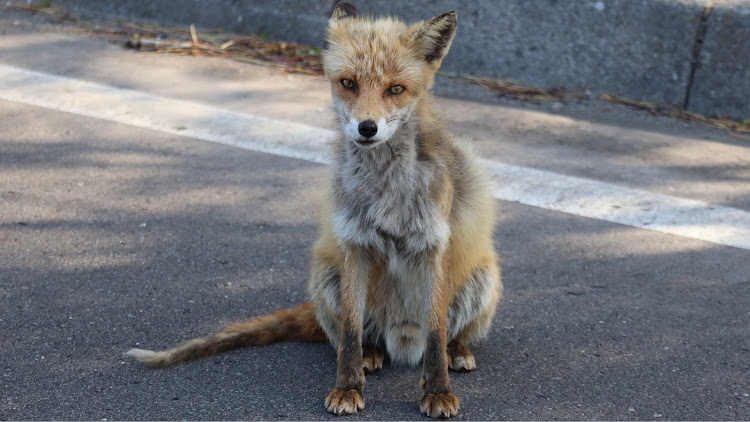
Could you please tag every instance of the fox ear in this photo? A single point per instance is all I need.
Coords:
(434, 37)
(344, 10)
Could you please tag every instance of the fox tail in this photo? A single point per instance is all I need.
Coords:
(294, 324)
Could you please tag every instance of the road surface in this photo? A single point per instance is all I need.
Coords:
(148, 199)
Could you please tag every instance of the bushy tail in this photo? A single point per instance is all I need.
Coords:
(295, 324)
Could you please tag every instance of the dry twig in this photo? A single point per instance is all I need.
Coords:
(739, 130)
(519, 91)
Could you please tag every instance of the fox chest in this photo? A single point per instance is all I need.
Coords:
(393, 217)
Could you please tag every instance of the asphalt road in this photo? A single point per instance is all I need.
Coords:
(114, 236)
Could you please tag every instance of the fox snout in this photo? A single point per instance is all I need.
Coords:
(368, 133)
(368, 128)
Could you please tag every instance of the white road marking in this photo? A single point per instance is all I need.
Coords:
(162, 114)
(573, 195)
(619, 204)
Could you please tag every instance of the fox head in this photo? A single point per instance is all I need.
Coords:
(379, 69)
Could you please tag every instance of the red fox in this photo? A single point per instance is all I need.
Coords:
(404, 264)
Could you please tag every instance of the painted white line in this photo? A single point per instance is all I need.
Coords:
(618, 204)
(572, 195)
(162, 114)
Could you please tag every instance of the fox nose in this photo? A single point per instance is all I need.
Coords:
(368, 128)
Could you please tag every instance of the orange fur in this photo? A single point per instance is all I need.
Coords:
(297, 324)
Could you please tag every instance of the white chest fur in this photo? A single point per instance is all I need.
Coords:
(386, 202)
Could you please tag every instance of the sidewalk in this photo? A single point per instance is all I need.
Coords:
(690, 53)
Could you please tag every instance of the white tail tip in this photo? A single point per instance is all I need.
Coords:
(145, 356)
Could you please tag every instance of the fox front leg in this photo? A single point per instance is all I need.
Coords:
(438, 400)
(346, 397)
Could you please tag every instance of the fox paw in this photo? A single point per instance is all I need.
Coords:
(344, 402)
(372, 358)
(460, 358)
(443, 405)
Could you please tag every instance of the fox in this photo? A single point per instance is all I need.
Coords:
(404, 267)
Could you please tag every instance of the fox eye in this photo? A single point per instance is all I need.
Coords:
(396, 89)
(348, 84)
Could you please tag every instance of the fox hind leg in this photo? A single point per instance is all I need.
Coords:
(460, 358)
(372, 358)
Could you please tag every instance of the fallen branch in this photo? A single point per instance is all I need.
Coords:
(519, 91)
(291, 57)
(736, 129)
(45, 7)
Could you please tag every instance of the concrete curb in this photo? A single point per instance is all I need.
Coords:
(722, 77)
(685, 52)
